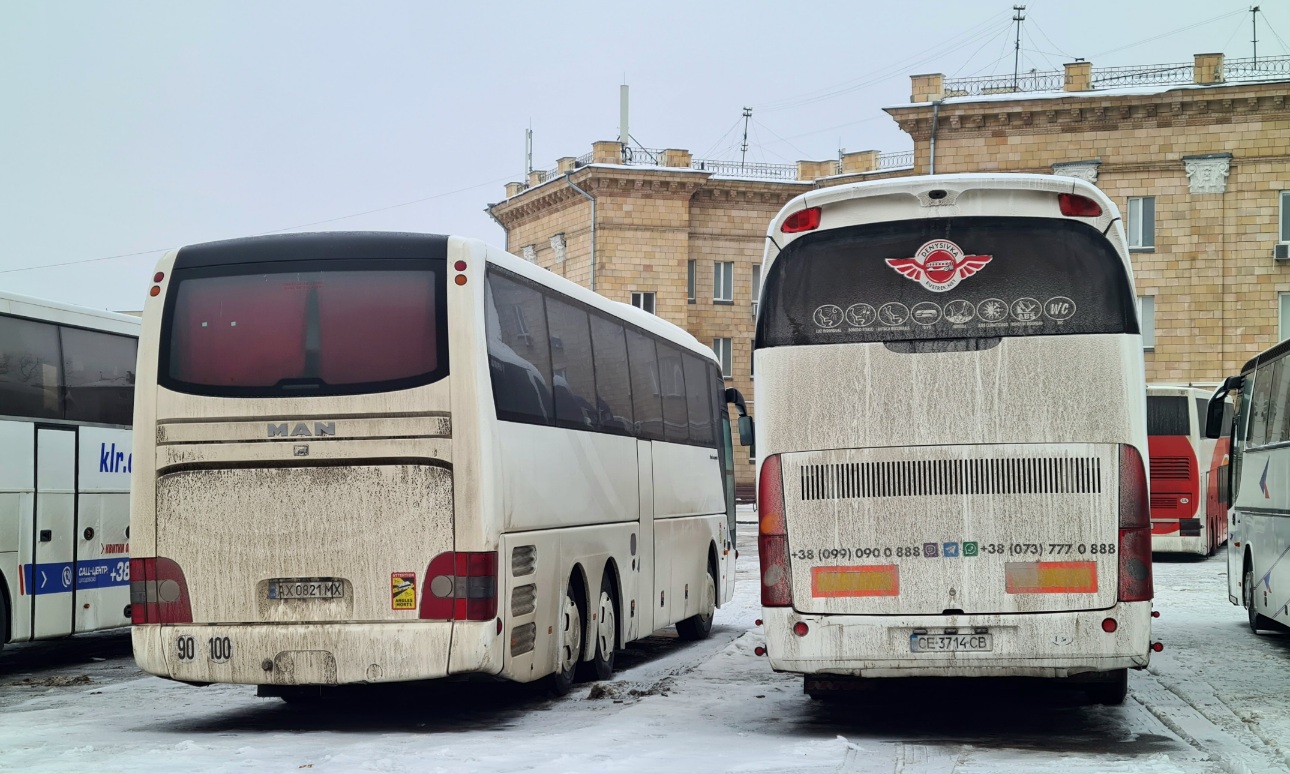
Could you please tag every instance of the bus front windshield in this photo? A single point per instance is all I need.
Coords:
(946, 278)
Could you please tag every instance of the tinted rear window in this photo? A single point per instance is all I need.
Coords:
(946, 278)
(298, 328)
(1167, 415)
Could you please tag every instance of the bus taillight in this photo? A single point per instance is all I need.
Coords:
(772, 536)
(802, 220)
(461, 586)
(1135, 528)
(158, 592)
(1074, 205)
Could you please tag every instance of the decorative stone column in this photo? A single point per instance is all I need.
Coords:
(606, 152)
(927, 88)
(1208, 69)
(860, 161)
(1079, 76)
(1084, 170)
(1208, 174)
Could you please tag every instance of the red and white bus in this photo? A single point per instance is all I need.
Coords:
(1185, 516)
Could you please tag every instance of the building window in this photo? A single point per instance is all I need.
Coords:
(756, 287)
(1147, 311)
(1285, 217)
(643, 301)
(689, 281)
(1283, 327)
(1142, 222)
(723, 285)
(752, 359)
(722, 348)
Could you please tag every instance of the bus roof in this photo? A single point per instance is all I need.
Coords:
(1271, 353)
(68, 314)
(1206, 389)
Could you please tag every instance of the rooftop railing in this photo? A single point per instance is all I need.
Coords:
(1265, 68)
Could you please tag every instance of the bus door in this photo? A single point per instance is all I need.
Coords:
(50, 577)
(647, 569)
(726, 590)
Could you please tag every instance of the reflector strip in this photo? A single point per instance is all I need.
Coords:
(879, 580)
(1051, 577)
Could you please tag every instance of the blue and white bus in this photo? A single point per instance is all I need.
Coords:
(66, 400)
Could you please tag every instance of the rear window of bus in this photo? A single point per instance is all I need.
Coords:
(1011, 277)
(1167, 415)
(300, 328)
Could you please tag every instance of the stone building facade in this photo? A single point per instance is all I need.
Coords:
(1198, 168)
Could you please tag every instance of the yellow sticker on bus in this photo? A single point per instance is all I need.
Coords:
(1051, 577)
(877, 580)
(403, 590)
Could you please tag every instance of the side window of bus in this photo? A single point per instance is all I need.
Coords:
(613, 380)
(1279, 405)
(519, 354)
(671, 373)
(98, 369)
(573, 375)
(30, 372)
(646, 394)
(1260, 403)
(698, 394)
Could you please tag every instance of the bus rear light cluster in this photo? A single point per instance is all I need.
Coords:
(802, 220)
(1076, 206)
(461, 586)
(1135, 528)
(158, 592)
(772, 537)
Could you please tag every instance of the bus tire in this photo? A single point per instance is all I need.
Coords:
(1256, 620)
(699, 625)
(601, 666)
(568, 642)
(1111, 689)
(4, 616)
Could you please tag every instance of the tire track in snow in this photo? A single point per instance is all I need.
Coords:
(1237, 751)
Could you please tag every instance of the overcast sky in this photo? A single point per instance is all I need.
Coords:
(130, 126)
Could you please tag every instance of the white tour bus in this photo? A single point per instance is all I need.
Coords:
(375, 457)
(1258, 572)
(952, 442)
(66, 393)
(1180, 462)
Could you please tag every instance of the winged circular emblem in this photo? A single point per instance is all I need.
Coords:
(939, 265)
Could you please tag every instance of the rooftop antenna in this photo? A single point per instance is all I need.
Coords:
(1018, 17)
(528, 152)
(1254, 22)
(624, 136)
(743, 148)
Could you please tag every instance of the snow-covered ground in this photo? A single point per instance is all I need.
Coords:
(1213, 701)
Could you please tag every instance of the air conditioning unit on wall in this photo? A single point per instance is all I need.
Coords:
(1282, 252)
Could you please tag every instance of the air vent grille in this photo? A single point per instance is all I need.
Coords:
(1164, 502)
(920, 478)
(1171, 468)
(523, 560)
(523, 599)
(522, 638)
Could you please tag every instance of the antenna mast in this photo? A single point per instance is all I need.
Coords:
(743, 148)
(1254, 22)
(528, 152)
(1018, 17)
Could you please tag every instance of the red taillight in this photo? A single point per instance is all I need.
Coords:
(460, 586)
(772, 536)
(459, 266)
(802, 220)
(158, 592)
(1109, 625)
(801, 629)
(1135, 528)
(158, 277)
(1077, 206)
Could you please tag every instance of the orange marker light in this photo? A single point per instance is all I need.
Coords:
(879, 580)
(156, 291)
(460, 279)
(1051, 577)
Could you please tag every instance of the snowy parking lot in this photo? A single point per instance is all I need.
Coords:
(1213, 701)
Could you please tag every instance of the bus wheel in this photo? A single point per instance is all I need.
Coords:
(1257, 621)
(4, 619)
(568, 644)
(1111, 690)
(601, 667)
(699, 625)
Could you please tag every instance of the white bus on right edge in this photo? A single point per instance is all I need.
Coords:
(1258, 567)
(952, 435)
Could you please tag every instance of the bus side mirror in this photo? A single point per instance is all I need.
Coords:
(1214, 412)
(746, 435)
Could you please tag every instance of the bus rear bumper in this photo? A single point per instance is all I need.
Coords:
(302, 654)
(1039, 645)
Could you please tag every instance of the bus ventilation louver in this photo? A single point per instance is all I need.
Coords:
(1164, 502)
(1171, 468)
(918, 478)
(523, 638)
(523, 561)
(523, 599)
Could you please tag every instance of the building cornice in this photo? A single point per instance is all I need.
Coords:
(1084, 112)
